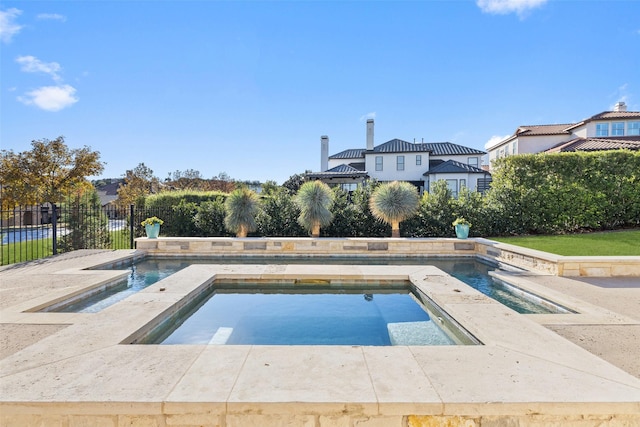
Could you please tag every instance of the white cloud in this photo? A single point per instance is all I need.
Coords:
(621, 94)
(503, 7)
(31, 64)
(494, 140)
(371, 115)
(50, 98)
(8, 26)
(51, 17)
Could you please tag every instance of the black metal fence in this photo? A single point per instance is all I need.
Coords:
(38, 231)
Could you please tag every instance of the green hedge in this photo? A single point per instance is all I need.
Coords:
(565, 192)
(530, 194)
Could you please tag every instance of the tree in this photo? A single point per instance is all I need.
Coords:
(314, 199)
(393, 203)
(48, 173)
(241, 207)
(278, 213)
(138, 183)
(294, 183)
(86, 222)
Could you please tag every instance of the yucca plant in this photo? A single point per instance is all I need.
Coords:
(315, 200)
(241, 208)
(393, 203)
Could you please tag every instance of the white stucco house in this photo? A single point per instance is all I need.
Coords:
(420, 163)
(609, 130)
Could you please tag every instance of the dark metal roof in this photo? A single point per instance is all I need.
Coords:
(597, 144)
(352, 153)
(340, 171)
(359, 166)
(451, 166)
(400, 146)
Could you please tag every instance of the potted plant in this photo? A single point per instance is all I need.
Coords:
(152, 226)
(462, 227)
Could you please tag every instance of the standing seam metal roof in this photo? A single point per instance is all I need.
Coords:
(400, 146)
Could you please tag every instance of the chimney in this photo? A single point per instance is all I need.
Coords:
(324, 153)
(620, 106)
(370, 134)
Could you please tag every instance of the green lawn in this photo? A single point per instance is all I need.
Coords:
(36, 249)
(613, 243)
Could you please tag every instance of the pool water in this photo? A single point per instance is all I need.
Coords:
(312, 318)
(141, 275)
(474, 273)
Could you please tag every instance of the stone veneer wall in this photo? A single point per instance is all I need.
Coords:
(150, 418)
(516, 256)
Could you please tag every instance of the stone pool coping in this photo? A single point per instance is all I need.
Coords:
(82, 375)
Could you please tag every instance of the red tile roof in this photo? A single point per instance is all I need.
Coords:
(597, 144)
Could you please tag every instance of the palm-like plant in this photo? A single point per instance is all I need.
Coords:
(393, 203)
(314, 199)
(241, 208)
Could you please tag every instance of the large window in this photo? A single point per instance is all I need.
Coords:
(473, 161)
(418, 159)
(349, 187)
(602, 129)
(452, 184)
(617, 129)
(400, 163)
(378, 163)
(633, 128)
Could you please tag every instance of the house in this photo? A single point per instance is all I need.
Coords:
(420, 163)
(108, 194)
(609, 130)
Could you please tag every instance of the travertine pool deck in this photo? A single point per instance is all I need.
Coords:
(73, 369)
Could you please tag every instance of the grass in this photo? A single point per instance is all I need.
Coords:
(613, 243)
(36, 249)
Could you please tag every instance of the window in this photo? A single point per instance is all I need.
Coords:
(400, 163)
(633, 128)
(473, 161)
(463, 183)
(349, 187)
(514, 147)
(617, 129)
(452, 184)
(418, 159)
(602, 129)
(378, 163)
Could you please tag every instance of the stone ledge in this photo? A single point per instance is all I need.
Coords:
(501, 253)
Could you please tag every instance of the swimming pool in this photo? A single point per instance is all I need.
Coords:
(148, 270)
(371, 316)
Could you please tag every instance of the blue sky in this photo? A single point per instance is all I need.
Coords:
(248, 87)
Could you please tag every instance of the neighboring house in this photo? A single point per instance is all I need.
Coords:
(396, 160)
(609, 130)
(108, 194)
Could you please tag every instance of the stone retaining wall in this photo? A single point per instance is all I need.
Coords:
(501, 253)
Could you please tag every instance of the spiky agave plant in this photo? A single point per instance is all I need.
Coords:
(393, 203)
(241, 208)
(315, 200)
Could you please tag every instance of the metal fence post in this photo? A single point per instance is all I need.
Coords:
(54, 223)
(131, 228)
